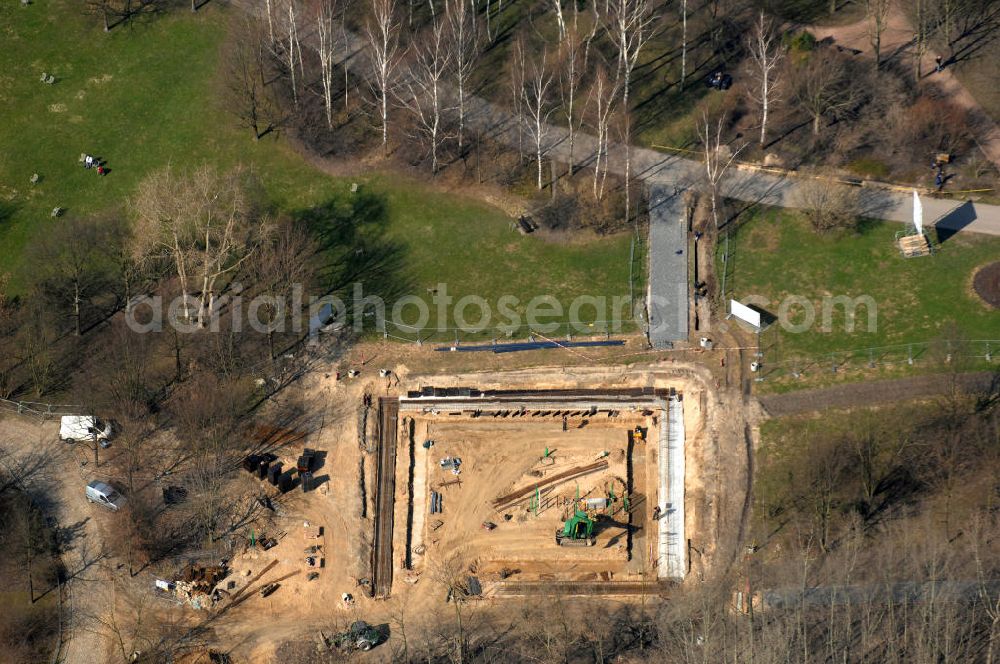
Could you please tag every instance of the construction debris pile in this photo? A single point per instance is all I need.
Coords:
(196, 584)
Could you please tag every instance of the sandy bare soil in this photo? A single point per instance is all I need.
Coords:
(59, 472)
(497, 458)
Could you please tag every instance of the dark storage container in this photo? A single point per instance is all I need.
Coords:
(274, 472)
(251, 462)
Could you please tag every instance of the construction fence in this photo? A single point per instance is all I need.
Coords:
(42, 411)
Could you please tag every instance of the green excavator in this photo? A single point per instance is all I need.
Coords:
(577, 531)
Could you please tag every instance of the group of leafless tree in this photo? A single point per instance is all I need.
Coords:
(28, 570)
(418, 81)
(184, 380)
(422, 74)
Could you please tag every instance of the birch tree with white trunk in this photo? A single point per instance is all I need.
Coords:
(560, 20)
(764, 49)
(518, 76)
(326, 52)
(423, 92)
(572, 67)
(382, 44)
(269, 9)
(287, 50)
(602, 98)
(465, 50)
(537, 99)
(629, 26)
(718, 156)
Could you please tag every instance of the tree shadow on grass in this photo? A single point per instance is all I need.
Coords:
(351, 230)
(7, 211)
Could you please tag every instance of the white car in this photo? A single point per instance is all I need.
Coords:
(76, 428)
(105, 495)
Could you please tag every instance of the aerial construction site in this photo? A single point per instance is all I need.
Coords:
(528, 484)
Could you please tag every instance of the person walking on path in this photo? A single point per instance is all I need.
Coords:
(939, 180)
(938, 64)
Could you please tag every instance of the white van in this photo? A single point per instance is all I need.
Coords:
(73, 428)
(104, 494)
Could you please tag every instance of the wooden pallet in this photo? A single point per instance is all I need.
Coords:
(914, 245)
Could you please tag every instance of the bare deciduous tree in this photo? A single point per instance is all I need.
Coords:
(718, 156)
(684, 41)
(921, 26)
(572, 64)
(517, 77)
(828, 207)
(560, 21)
(382, 42)
(765, 53)
(877, 15)
(629, 26)
(602, 97)
(283, 264)
(204, 223)
(423, 91)
(72, 264)
(536, 93)
(251, 98)
(269, 10)
(290, 51)
(465, 49)
(326, 50)
(822, 88)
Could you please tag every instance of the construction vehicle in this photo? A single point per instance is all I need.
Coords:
(577, 531)
(360, 636)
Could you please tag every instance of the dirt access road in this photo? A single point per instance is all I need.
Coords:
(58, 473)
(873, 393)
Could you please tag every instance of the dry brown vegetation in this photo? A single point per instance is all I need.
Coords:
(29, 572)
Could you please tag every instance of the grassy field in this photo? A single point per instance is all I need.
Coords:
(776, 255)
(141, 96)
(148, 94)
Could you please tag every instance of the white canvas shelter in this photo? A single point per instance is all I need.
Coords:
(745, 313)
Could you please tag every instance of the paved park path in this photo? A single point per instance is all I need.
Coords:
(672, 172)
(667, 298)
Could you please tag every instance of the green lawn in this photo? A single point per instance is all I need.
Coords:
(776, 255)
(148, 94)
(471, 248)
(140, 97)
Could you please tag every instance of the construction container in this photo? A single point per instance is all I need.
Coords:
(285, 482)
(251, 463)
(306, 480)
(274, 472)
(262, 468)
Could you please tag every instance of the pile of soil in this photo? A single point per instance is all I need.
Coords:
(986, 283)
